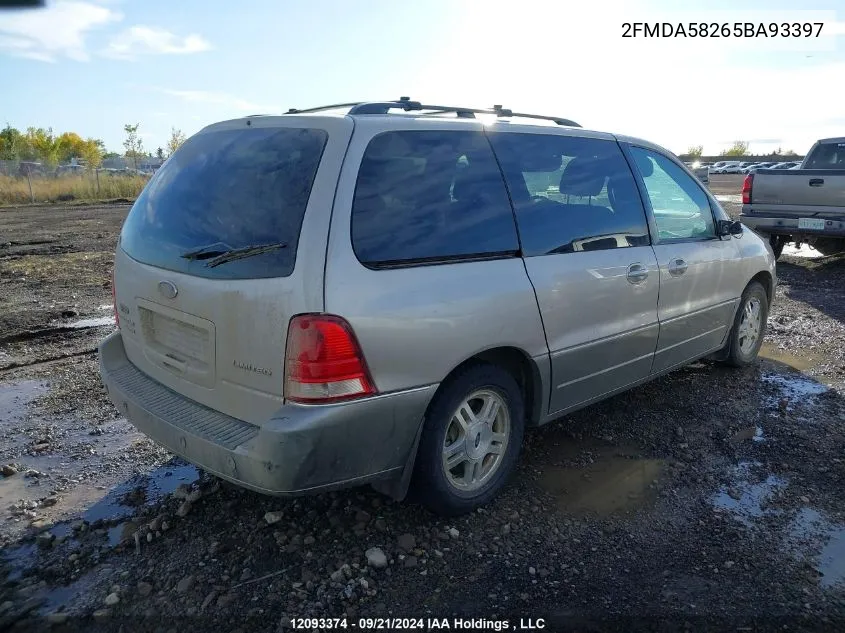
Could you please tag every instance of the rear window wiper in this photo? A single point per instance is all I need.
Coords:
(242, 253)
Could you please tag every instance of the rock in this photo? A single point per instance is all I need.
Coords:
(182, 491)
(155, 524)
(246, 574)
(728, 564)
(208, 600)
(39, 524)
(225, 600)
(9, 470)
(453, 532)
(45, 539)
(56, 618)
(101, 614)
(407, 542)
(506, 529)
(805, 499)
(49, 501)
(337, 576)
(362, 516)
(376, 558)
(145, 588)
(184, 585)
(308, 540)
(112, 599)
(183, 509)
(194, 496)
(679, 431)
(149, 537)
(532, 571)
(165, 526)
(410, 561)
(273, 517)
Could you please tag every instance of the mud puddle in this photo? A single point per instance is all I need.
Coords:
(15, 398)
(792, 388)
(602, 480)
(816, 538)
(803, 362)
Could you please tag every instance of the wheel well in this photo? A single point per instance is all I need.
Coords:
(519, 365)
(765, 279)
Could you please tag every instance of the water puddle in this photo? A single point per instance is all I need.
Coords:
(813, 536)
(791, 387)
(609, 481)
(801, 363)
(745, 498)
(82, 324)
(15, 398)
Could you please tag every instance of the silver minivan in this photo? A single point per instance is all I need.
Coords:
(391, 293)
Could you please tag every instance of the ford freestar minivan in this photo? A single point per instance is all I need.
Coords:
(390, 293)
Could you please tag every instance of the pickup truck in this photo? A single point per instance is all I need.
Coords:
(800, 205)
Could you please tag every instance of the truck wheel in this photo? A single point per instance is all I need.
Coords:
(749, 326)
(471, 439)
(778, 242)
(829, 246)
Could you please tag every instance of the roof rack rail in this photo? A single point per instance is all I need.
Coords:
(406, 104)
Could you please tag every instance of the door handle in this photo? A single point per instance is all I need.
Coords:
(677, 267)
(637, 273)
(816, 182)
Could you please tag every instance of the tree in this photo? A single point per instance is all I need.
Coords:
(176, 139)
(695, 151)
(92, 152)
(160, 154)
(11, 143)
(133, 144)
(739, 148)
(42, 145)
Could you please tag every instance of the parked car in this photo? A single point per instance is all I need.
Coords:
(787, 165)
(319, 300)
(754, 166)
(725, 167)
(803, 205)
(733, 168)
(30, 168)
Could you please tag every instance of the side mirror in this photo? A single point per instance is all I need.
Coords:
(729, 227)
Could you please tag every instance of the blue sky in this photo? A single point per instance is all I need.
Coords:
(91, 66)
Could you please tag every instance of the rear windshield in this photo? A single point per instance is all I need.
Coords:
(827, 156)
(227, 190)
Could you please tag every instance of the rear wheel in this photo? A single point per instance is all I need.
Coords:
(829, 246)
(778, 242)
(749, 326)
(471, 440)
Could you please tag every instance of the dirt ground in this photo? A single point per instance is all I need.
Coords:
(710, 499)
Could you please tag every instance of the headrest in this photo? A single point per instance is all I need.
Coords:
(470, 184)
(644, 164)
(583, 177)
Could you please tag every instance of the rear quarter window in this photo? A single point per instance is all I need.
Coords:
(426, 197)
(227, 189)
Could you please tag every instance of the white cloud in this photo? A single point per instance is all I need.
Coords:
(225, 101)
(54, 32)
(147, 40)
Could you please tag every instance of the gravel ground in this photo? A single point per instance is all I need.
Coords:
(709, 499)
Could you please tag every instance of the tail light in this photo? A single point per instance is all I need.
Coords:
(114, 300)
(746, 188)
(324, 362)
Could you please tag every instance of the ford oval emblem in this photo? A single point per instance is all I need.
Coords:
(168, 289)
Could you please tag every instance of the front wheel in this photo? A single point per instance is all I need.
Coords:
(471, 440)
(749, 326)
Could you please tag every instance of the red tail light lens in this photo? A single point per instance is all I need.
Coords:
(324, 362)
(746, 189)
(114, 300)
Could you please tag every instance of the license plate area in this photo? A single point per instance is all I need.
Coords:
(181, 343)
(814, 224)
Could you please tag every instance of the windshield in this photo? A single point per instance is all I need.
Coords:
(233, 189)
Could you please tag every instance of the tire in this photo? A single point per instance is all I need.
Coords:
(777, 243)
(740, 352)
(829, 246)
(443, 429)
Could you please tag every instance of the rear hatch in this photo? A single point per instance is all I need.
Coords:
(223, 246)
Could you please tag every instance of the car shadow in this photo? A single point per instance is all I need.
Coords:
(816, 282)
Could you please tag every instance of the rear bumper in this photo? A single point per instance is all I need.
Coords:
(789, 226)
(301, 449)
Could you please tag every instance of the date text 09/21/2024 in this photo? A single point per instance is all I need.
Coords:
(418, 624)
(722, 30)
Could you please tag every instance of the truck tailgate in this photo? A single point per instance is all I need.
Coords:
(818, 192)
